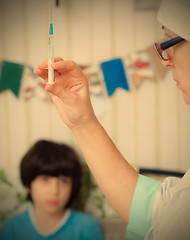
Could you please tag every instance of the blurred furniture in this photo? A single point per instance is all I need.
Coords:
(113, 228)
(160, 174)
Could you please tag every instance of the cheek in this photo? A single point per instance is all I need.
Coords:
(65, 193)
(36, 193)
(184, 75)
(182, 63)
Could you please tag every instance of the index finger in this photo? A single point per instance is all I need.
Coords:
(44, 64)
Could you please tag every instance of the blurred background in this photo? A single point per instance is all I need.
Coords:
(149, 122)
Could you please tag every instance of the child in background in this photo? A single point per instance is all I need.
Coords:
(50, 173)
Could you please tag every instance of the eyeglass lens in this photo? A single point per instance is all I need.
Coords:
(162, 53)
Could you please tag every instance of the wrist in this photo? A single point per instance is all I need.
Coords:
(86, 126)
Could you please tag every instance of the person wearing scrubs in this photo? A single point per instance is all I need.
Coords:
(151, 210)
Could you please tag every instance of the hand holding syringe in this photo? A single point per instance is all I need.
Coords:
(50, 55)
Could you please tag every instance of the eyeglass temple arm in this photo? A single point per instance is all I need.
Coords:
(171, 42)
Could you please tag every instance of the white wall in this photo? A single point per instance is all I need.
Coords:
(149, 125)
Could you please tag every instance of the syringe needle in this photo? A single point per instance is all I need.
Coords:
(50, 55)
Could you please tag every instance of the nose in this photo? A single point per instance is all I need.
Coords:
(167, 63)
(54, 188)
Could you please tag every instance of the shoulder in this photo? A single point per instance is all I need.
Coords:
(172, 190)
(173, 186)
(172, 205)
(15, 220)
(17, 227)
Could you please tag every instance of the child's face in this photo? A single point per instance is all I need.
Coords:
(50, 194)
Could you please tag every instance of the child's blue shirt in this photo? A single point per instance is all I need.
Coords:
(78, 226)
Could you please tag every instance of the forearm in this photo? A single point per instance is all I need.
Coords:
(116, 178)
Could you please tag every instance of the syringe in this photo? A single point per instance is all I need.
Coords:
(50, 55)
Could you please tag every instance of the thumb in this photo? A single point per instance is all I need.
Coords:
(49, 87)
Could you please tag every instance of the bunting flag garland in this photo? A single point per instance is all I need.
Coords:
(22, 81)
(104, 78)
(97, 89)
(33, 86)
(114, 75)
(160, 69)
(139, 68)
(10, 77)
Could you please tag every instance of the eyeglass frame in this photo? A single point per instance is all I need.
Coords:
(165, 45)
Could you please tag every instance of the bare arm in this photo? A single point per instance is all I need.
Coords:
(114, 175)
(116, 178)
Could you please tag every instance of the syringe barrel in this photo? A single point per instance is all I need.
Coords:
(50, 60)
(50, 47)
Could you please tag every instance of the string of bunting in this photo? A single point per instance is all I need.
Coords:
(110, 75)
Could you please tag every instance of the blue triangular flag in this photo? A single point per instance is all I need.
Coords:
(114, 75)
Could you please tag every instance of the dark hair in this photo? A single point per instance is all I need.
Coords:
(53, 159)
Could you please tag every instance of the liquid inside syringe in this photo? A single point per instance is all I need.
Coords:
(50, 55)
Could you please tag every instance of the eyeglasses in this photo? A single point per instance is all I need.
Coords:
(161, 48)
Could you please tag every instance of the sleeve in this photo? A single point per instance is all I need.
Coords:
(165, 193)
(140, 215)
(172, 209)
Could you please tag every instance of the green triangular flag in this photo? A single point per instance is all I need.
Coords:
(10, 76)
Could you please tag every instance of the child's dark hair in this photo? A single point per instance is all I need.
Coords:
(53, 159)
